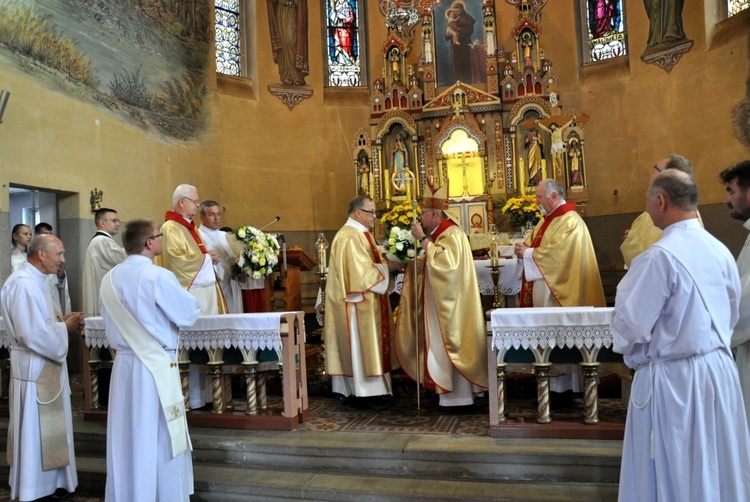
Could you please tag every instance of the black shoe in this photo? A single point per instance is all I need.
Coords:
(376, 403)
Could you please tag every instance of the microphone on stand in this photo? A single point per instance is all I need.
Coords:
(270, 223)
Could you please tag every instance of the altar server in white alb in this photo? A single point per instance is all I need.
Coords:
(686, 436)
(143, 306)
(737, 180)
(218, 241)
(40, 432)
(102, 254)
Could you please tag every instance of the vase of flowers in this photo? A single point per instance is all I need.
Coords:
(398, 240)
(522, 212)
(259, 255)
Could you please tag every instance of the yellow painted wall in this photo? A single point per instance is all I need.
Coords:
(261, 160)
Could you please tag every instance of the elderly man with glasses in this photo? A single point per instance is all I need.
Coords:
(643, 233)
(358, 324)
(102, 254)
(186, 255)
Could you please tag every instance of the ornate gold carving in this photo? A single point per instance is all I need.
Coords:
(666, 56)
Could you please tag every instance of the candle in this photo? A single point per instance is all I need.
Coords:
(494, 259)
(322, 260)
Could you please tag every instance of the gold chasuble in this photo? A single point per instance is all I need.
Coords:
(565, 256)
(449, 279)
(184, 253)
(353, 272)
(643, 233)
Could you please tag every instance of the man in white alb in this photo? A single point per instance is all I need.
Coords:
(143, 306)
(217, 240)
(686, 435)
(737, 180)
(102, 254)
(40, 432)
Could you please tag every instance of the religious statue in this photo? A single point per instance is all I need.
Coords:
(527, 44)
(665, 17)
(95, 199)
(287, 21)
(395, 59)
(575, 154)
(557, 143)
(533, 144)
(399, 155)
(363, 166)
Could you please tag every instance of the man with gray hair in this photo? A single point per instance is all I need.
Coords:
(686, 435)
(642, 233)
(40, 439)
(560, 267)
(186, 255)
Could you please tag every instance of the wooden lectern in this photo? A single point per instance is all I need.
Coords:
(297, 260)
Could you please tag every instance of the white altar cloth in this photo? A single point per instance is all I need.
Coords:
(511, 272)
(243, 331)
(552, 327)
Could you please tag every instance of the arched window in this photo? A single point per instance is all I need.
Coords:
(603, 34)
(345, 43)
(228, 47)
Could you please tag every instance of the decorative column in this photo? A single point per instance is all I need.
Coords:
(217, 393)
(591, 393)
(185, 381)
(94, 372)
(250, 372)
(501, 391)
(262, 397)
(228, 405)
(541, 370)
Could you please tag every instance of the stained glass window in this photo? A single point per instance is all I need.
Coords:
(228, 37)
(343, 43)
(605, 23)
(737, 6)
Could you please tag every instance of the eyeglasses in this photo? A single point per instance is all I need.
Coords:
(196, 202)
(151, 237)
(656, 169)
(368, 211)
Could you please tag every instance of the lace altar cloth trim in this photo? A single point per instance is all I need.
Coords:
(552, 327)
(243, 331)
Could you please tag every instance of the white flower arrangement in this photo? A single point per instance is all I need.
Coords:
(260, 253)
(402, 244)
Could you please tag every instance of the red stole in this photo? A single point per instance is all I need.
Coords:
(178, 218)
(385, 312)
(527, 288)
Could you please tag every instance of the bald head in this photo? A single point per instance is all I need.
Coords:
(672, 197)
(46, 253)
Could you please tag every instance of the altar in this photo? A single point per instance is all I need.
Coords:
(541, 330)
(282, 332)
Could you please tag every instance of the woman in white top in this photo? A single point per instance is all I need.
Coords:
(20, 239)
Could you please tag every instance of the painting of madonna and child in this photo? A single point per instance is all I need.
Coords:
(459, 42)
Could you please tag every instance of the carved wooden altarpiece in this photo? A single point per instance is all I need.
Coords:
(474, 134)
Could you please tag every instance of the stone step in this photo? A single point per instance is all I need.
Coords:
(302, 465)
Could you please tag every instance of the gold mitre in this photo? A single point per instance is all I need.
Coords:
(439, 200)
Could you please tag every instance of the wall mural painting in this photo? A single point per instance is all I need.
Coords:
(144, 60)
(459, 42)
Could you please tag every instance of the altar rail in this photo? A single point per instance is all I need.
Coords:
(249, 333)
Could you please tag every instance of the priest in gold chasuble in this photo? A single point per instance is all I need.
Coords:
(358, 322)
(186, 255)
(559, 263)
(446, 304)
(643, 233)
